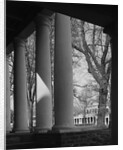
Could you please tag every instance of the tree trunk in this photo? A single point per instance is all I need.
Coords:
(31, 118)
(102, 106)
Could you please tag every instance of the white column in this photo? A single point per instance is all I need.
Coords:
(43, 73)
(80, 120)
(87, 120)
(20, 90)
(8, 115)
(105, 120)
(63, 78)
(95, 120)
(84, 121)
(90, 120)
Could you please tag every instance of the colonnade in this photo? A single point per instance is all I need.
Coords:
(85, 120)
(91, 120)
(63, 101)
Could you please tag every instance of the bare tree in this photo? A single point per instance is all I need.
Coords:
(31, 84)
(86, 95)
(11, 72)
(10, 57)
(90, 40)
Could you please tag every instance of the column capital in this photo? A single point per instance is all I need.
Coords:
(44, 18)
(19, 42)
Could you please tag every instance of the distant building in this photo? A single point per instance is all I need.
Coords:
(90, 116)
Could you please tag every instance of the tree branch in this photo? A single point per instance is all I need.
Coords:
(90, 66)
(109, 70)
(105, 50)
(80, 85)
(93, 38)
(100, 33)
(97, 45)
(78, 48)
(108, 61)
(88, 49)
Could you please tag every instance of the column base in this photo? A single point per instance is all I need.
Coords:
(42, 130)
(21, 131)
(8, 131)
(66, 126)
(62, 129)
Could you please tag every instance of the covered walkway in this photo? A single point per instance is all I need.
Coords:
(22, 19)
